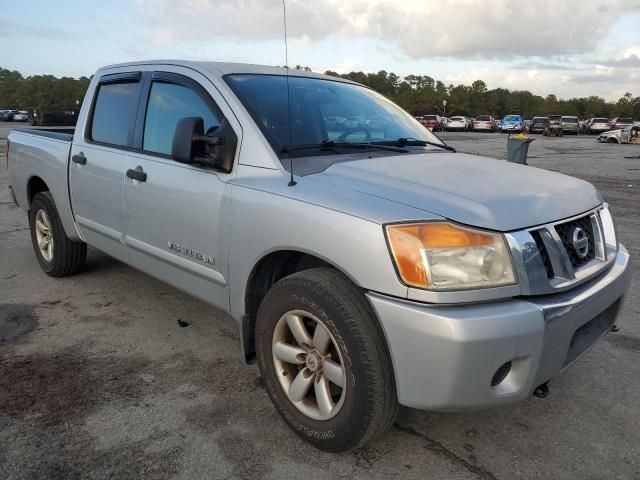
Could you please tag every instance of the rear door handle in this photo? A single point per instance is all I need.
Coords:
(80, 159)
(137, 174)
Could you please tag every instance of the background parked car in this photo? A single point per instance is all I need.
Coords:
(631, 134)
(512, 123)
(570, 124)
(538, 124)
(21, 116)
(621, 122)
(7, 115)
(598, 125)
(484, 123)
(458, 123)
(434, 122)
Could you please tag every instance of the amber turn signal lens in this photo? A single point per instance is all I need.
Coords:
(406, 250)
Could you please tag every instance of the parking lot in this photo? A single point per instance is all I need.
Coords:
(118, 375)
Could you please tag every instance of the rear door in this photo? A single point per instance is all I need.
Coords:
(98, 161)
(177, 217)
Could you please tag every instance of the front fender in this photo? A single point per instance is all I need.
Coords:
(264, 222)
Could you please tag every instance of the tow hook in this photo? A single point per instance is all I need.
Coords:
(542, 391)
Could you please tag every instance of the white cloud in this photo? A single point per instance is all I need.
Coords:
(545, 46)
(420, 28)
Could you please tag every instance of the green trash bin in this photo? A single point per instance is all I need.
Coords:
(517, 149)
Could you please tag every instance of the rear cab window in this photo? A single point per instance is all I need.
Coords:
(114, 109)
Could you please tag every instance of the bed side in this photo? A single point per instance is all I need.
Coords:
(38, 159)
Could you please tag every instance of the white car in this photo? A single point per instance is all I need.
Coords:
(458, 123)
(21, 116)
(630, 134)
(598, 125)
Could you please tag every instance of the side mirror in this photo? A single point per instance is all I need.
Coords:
(182, 148)
(216, 149)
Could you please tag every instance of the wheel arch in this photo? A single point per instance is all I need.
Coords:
(270, 268)
(36, 185)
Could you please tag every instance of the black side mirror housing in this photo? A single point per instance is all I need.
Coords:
(182, 147)
(216, 149)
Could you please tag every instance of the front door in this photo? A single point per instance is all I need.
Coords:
(177, 214)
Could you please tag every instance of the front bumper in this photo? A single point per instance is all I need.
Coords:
(445, 357)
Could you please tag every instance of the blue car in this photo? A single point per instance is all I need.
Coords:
(512, 123)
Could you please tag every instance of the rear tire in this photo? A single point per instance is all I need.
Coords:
(366, 406)
(57, 255)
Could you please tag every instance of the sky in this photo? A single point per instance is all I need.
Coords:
(563, 47)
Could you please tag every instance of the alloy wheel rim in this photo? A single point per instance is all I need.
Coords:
(309, 365)
(44, 235)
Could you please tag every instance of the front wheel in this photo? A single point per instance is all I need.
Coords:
(324, 361)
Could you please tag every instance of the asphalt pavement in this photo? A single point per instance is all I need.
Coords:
(112, 374)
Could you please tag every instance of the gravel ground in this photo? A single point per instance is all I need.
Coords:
(99, 380)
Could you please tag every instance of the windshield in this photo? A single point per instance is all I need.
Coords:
(600, 120)
(624, 120)
(483, 118)
(322, 111)
(512, 118)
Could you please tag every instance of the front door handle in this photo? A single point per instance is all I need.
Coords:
(137, 174)
(80, 159)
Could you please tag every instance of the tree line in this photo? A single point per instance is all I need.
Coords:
(422, 94)
(40, 91)
(418, 94)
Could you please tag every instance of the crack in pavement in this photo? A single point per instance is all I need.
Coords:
(443, 452)
(13, 231)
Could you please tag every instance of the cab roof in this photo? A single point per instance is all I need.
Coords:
(219, 69)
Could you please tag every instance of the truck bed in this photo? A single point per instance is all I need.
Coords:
(40, 156)
(65, 134)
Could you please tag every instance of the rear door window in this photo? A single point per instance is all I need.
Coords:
(168, 104)
(114, 113)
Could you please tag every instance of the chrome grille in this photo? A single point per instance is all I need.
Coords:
(544, 255)
(547, 260)
(565, 232)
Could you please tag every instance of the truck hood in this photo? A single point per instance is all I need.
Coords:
(469, 189)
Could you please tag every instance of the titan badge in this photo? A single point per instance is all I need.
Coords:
(189, 252)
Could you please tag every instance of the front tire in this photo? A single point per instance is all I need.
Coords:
(324, 361)
(57, 255)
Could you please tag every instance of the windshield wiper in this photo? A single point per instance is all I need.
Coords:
(404, 142)
(332, 144)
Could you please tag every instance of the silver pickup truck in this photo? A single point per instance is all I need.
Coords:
(368, 264)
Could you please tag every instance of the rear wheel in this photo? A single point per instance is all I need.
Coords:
(57, 255)
(324, 360)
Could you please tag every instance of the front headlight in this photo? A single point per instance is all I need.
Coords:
(444, 256)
